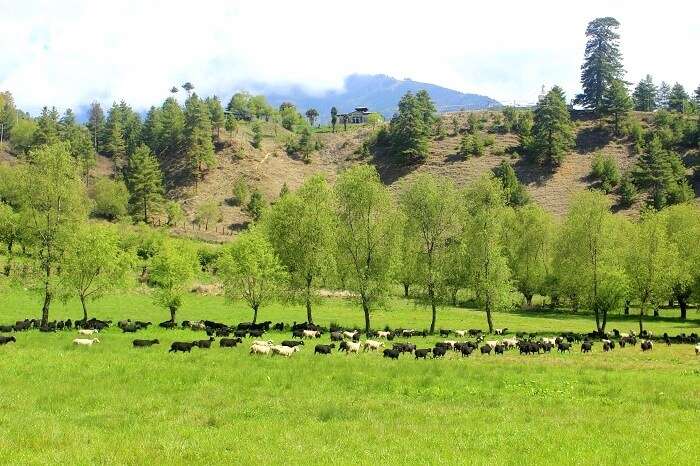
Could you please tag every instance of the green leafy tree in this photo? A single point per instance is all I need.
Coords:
(374, 119)
(484, 249)
(662, 173)
(152, 131)
(231, 124)
(110, 197)
(11, 229)
(663, 95)
(257, 135)
(529, 239)
(678, 99)
(628, 191)
(645, 95)
(240, 192)
(250, 270)
(188, 87)
(94, 264)
(173, 266)
(301, 228)
(208, 212)
(115, 146)
(145, 183)
(366, 234)
(602, 61)
(683, 230)
(22, 135)
(334, 117)
(54, 201)
(553, 133)
(515, 193)
(306, 144)
(650, 260)
(174, 213)
(587, 259)
(604, 168)
(410, 129)
(239, 106)
(260, 108)
(430, 207)
(617, 103)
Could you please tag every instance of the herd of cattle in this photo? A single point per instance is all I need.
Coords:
(349, 341)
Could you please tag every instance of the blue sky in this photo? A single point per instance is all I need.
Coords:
(71, 52)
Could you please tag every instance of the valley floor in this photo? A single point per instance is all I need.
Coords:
(112, 404)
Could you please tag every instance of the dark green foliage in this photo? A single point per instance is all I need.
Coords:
(334, 117)
(47, 127)
(216, 113)
(633, 129)
(257, 135)
(662, 173)
(255, 205)
(645, 95)
(171, 137)
(678, 99)
(552, 131)
(110, 197)
(604, 168)
(145, 183)
(471, 144)
(411, 127)
(628, 191)
(616, 102)
(311, 115)
(239, 106)
(198, 137)
(514, 191)
(602, 61)
(662, 96)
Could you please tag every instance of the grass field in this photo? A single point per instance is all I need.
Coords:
(112, 404)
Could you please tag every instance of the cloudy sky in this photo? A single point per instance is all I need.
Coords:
(71, 52)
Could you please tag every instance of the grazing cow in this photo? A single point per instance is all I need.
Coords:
(5, 340)
(404, 347)
(586, 346)
(352, 347)
(85, 341)
(500, 331)
(466, 350)
(88, 332)
(647, 345)
(292, 343)
(144, 343)
(279, 327)
(499, 349)
(450, 343)
(486, 349)
(391, 353)
(351, 335)
(439, 351)
(474, 332)
(324, 349)
(564, 346)
(372, 345)
(422, 353)
(229, 342)
(182, 346)
(129, 328)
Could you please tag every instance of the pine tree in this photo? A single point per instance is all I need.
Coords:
(172, 137)
(47, 127)
(145, 182)
(616, 102)
(662, 173)
(200, 148)
(95, 123)
(696, 97)
(216, 114)
(662, 96)
(257, 135)
(408, 131)
(230, 124)
(515, 193)
(152, 131)
(602, 61)
(645, 95)
(552, 131)
(678, 98)
(115, 146)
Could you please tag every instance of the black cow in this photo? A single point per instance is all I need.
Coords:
(466, 350)
(499, 349)
(292, 343)
(324, 349)
(422, 353)
(144, 343)
(204, 344)
(229, 342)
(182, 346)
(563, 346)
(486, 349)
(391, 353)
(439, 351)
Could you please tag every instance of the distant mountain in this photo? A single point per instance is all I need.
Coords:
(380, 93)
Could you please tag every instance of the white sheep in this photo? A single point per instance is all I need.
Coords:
(353, 347)
(383, 334)
(88, 331)
(461, 333)
(285, 351)
(491, 343)
(85, 341)
(373, 345)
(260, 349)
(452, 343)
(552, 341)
(510, 342)
(697, 350)
(311, 334)
(350, 335)
(499, 331)
(262, 343)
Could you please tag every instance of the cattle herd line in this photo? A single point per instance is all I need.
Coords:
(349, 340)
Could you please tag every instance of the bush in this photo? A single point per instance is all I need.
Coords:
(604, 168)
(634, 130)
(240, 192)
(257, 135)
(174, 213)
(471, 144)
(256, 205)
(111, 199)
(208, 212)
(207, 256)
(627, 191)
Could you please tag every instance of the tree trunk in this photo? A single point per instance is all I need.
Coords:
(405, 290)
(605, 322)
(454, 297)
(641, 317)
(627, 307)
(431, 296)
(45, 309)
(489, 320)
(173, 311)
(82, 302)
(597, 317)
(365, 309)
(656, 310)
(670, 302)
(309, 318)
(684, 308)
(255, 313)
(528, 299)
(8, 265)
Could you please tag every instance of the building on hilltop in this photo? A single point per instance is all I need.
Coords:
(358, 116)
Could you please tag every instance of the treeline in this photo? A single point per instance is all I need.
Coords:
(486, 240)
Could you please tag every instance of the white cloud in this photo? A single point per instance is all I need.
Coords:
(69, 53)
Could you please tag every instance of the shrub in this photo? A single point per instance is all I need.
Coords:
(256, 205)
(627, 191)
(174, 213)
(604, 168)
(111, 199)
(257, 135)
(471, 144)
(240, 192)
